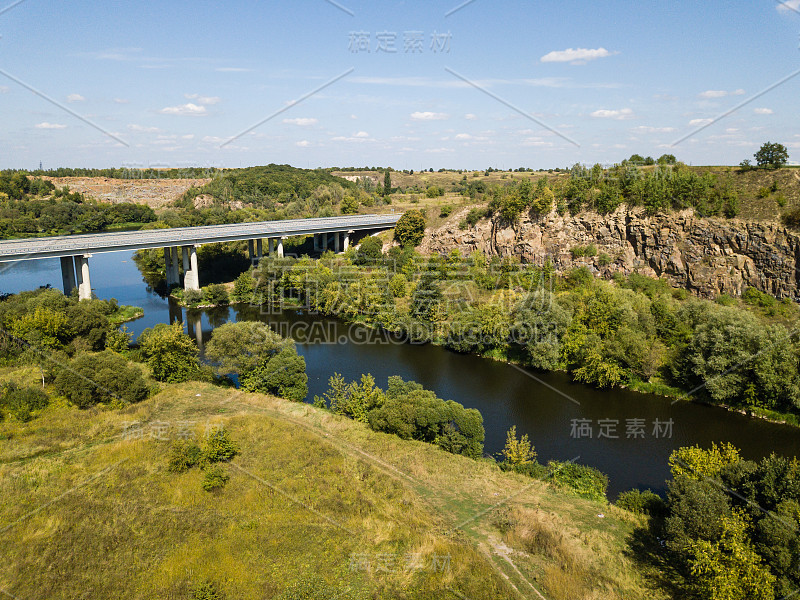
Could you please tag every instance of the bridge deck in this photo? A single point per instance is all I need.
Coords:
(49, 247)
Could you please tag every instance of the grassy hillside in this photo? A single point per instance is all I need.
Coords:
(88, 512)
(750, 186)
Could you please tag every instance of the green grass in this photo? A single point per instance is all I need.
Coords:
(126, 313)
(307, 491)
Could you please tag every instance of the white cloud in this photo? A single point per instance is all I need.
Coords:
(731, 130)
(576, 56)
(721, 93)
(694, 122)
(142, 128)
(647, 129)
(463, 136)
(619, 115)
(47, 125)
(212, 139)
(192, 110)
(75, 98)
(301, 121)
(763, 111)
(121, 101)
(188, 136)
(470, 117)
(303, 143)
(789, 6)
(205, 100)
(429, 116)
(3, 89)
(361, 134)
(232, 70)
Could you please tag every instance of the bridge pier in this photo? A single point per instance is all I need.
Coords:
(336, 236)
(171, 263)
(82, 276)
(68, 274)
(191, 273)
(280, 247)
(347, 240)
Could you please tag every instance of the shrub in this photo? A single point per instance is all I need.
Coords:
(410, 229)
(170, 353)
(604, 259)
(192, 296)
(216, 293)
(243, 287)
(475, 215)
(184, 454)
(93, 378)
(206, 591)
(20, 401)
(642, 503)
(215, 478)
(369, 251)
(218, 447)
(445, 211)
(764, 192)
(434, 192)
(781, 200)
(591, 250)
(791, 218)
(283, 375)
(398, 285)
(585, 481)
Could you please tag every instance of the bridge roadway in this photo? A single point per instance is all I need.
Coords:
(75, 250)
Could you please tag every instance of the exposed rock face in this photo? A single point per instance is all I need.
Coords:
(707, 256)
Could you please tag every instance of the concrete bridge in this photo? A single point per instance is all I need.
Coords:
(75, 250)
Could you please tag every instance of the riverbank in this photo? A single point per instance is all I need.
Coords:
(606, 334)
(369, 498)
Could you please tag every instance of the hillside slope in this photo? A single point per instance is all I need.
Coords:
(315, 502)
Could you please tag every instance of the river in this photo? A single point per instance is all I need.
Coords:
(626, 435)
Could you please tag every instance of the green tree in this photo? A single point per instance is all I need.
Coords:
(240, 347)
(518, 451)
(410, 228)
(170, 353)
(369, 251)
(772, 155)
(349, 205)
(283, 375)
(243, 287)
(728, 568)
(387, 183)
(89, 379)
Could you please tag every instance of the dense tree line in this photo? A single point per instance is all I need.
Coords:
(636, 331)
(661, 188)
(35, 206)
(728, 529)
(121, 172)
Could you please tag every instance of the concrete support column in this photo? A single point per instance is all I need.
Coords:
(171, 266)
(336, 237)
(176, 270)
(280, 247)
(82, 274)
(347, 240)
(68, 274)
(259, 252)
(324, 242)
(270, 246)
(251, 253)
(316, 242)
(191, 277)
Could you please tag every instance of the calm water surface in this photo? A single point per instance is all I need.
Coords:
(545, 406)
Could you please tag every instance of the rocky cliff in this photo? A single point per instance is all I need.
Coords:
(706, 256)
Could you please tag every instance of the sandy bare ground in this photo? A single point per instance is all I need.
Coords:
(156, 193)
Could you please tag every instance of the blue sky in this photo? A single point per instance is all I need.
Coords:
(560, 82)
